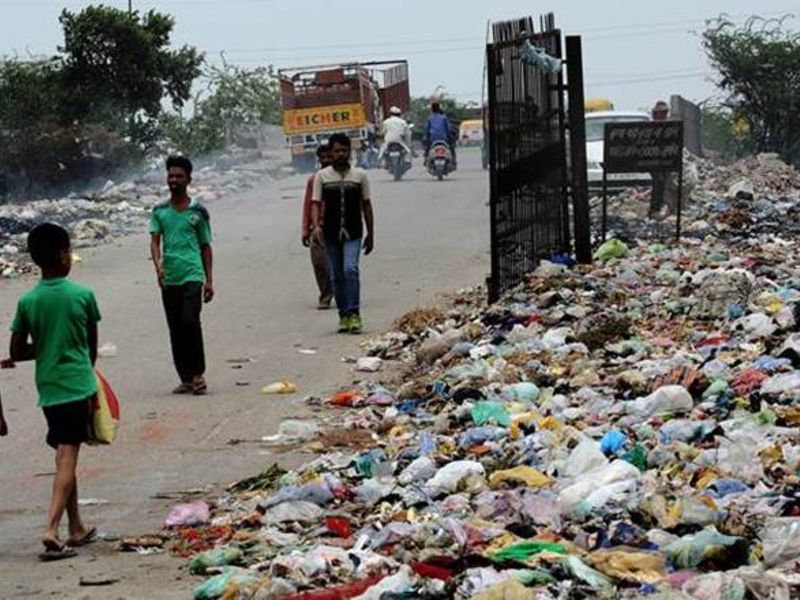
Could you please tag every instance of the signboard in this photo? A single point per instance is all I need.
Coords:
(647, 146)
(323, 118)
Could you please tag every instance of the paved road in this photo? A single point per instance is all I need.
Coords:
(432, 237)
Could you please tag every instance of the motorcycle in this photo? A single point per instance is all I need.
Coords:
(396, 162)
(440, 160)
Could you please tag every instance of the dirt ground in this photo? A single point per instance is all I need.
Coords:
(432, 237)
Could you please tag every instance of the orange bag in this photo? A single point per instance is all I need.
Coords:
(105, 418)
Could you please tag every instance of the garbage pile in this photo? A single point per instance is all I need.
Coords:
(117, 209)
(757, 195)
(621, 430)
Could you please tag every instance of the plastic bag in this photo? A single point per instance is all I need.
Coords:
(587, 456)
(592, 490)
(398, 583)
(609, 249)
(219, 557)
(183, 515)
(715, 586)
(421, 469)
(780, 537)
(369, 364)
(641, 567)
(524, 391)
(229, 580)
(666, 399)
(297, 510)
(523, 475)
(487, 412)
(588, 575)
(708, 545)
(105, 417)
(507, 590)
(523, 551)
(447, 479)
(612, 442)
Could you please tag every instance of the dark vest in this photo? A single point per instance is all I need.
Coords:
(343, 201)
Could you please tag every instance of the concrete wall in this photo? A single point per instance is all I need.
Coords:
(688, 112)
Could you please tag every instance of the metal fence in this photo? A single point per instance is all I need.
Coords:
(530, 217)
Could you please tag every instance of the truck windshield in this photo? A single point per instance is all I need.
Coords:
(595, 127)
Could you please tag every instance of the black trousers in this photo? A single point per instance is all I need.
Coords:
(182, 305)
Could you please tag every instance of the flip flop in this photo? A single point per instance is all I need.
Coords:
(52, 545)
(184, 388)
(60, 554)
(88, 538)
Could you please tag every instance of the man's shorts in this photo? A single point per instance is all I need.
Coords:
(69, 423)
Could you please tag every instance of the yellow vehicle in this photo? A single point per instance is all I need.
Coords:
(598, 105)
(470, 133)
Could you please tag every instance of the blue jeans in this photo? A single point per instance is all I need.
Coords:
(343, 257)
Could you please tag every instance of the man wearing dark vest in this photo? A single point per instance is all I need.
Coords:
(341, 208)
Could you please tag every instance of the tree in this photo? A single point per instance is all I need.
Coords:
(95, 106)
(759, 68)
(118, 67)
(235, 100)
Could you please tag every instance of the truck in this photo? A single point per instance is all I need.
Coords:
(351, 98)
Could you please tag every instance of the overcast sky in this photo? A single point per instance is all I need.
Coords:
(635, 51)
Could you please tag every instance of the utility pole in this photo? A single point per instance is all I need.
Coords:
(130, 7)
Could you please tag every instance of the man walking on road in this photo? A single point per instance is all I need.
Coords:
(341, 206)
(317, 248)
(184, 272)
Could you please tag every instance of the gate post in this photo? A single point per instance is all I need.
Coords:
(577, 144)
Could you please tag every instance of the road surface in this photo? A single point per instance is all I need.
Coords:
(431, 238)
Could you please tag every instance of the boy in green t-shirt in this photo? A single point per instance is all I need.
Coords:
(60, 319)
(180, 246)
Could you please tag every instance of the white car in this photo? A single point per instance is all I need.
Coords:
(595, 130)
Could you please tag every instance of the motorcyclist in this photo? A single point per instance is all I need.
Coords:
(438, 130)
(395, 130)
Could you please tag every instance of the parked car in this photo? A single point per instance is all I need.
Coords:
(595, 131)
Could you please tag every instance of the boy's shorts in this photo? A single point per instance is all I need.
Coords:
(69, 423)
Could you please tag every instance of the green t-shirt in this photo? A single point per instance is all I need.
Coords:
(57, 314)
(183, 232)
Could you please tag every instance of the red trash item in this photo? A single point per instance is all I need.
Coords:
(340, 592)
(339, 526)
(345, 399)
(431, 571)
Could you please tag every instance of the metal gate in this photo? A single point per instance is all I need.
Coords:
(530, 184)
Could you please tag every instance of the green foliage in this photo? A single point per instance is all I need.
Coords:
(759, 68)
(118, 67)
(94, 107)
(236, 102)
(726, 133)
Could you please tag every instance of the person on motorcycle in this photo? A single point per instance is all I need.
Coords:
(438, 130)
(395, 130)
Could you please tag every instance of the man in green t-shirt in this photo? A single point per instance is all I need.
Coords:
(181, 250)
(60, 318)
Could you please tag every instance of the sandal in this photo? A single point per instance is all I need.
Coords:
(199, 386)
(60, 554)
(184, 388)
(87, 538)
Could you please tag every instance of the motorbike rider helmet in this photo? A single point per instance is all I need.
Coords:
(395, 111)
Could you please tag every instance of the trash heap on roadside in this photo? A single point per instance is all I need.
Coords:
(109, 210)
(624, 429)
(757, 195)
